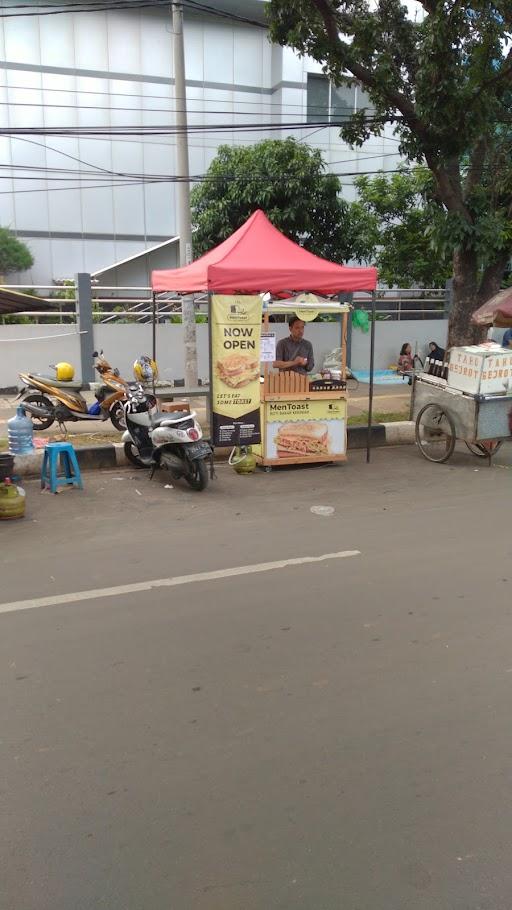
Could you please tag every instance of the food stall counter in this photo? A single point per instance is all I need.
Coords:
(303, 418)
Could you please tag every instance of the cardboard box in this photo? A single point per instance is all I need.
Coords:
(481, 370)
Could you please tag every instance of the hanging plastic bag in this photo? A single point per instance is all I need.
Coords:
(360, 320)
(332, 360)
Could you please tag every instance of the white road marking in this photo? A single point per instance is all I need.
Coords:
(119, 590)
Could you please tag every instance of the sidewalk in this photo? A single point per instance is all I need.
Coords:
(391, 399)
(387, 400)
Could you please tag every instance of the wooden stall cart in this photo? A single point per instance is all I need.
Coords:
(303, 420)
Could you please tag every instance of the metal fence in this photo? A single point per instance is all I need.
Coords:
(409, 303)
(135, 304)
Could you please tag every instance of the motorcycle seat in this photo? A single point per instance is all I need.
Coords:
(72, 386)
(161, 419)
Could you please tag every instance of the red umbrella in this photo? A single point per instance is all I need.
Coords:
(496, 311)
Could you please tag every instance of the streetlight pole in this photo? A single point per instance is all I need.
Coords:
(183, 190)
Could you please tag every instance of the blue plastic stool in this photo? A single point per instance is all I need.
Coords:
(63, 455)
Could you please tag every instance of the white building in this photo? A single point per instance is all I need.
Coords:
(80, 202)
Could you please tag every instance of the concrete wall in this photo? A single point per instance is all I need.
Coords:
(389, 338)
(32, 348)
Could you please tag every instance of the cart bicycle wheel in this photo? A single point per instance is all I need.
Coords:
(435, 433)
(484, 450)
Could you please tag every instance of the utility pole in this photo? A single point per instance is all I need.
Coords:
(183, 189)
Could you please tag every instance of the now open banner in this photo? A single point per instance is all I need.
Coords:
(235, 325)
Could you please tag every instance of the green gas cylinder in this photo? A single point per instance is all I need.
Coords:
(12, 501)
(242, 460)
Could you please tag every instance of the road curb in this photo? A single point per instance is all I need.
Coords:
(398, 433)
(112, 455)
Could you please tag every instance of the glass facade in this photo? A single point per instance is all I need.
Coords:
(334, 103)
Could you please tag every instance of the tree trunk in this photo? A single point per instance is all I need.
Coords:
(461, 331)
(470, 292)
(493, 277)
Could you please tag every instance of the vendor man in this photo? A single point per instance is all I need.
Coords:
(295, 353)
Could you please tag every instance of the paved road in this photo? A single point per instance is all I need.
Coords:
(326, 736)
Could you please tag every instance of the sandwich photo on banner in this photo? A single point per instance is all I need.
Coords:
(302, 438)
(311, 429)
(238, 370)
(235, 350)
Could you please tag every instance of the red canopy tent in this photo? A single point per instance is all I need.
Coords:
(257, 258)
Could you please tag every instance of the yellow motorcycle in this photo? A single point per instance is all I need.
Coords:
(47, 399)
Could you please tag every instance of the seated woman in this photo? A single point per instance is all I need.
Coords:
(435, 352)
(406, 359)
(435, 358)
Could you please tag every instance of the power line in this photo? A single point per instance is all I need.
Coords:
(135, 110)
(169, 130)
(99, 8)
(70, 4)
(99, 169)
(169, 180)
(79, 91)
(96, 171)
(224, 14)
(95, 6)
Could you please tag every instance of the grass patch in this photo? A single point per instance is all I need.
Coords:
(361, 420)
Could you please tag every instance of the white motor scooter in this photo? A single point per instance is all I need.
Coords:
(173, 441)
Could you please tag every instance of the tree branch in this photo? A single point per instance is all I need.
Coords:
(492, 277)
(447, 177)
(505, 71)
(397, 99)
(476, 166)
(449, 189)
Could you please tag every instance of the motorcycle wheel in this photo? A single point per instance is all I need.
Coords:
(132, 454)
(198, 477)
(40, 423)
(118, 416)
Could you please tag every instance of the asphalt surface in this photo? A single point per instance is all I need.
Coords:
(325, 736)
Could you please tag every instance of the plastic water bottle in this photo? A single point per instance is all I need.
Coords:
(20, 432)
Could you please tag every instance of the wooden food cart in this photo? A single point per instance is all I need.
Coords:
(303, 420)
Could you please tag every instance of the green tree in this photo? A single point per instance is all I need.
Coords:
(284, 178)
(395, 215)
(444, 80)
(15, 256)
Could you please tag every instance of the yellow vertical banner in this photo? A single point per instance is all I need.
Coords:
(235, 325)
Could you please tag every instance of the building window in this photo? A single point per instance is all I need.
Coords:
(331, 102)
(317, 97)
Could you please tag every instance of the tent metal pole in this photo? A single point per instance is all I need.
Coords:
(210, 353)
(370, 392)
(154, 326)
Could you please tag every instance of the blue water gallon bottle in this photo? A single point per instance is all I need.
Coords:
(20, 432)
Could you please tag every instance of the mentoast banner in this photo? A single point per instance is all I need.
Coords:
(236, 332)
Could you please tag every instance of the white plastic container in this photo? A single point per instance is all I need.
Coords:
(481, 370)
